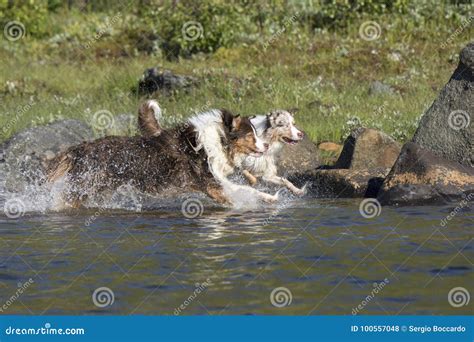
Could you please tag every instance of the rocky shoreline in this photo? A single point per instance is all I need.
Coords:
(436, 166)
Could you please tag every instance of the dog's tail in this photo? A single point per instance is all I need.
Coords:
(149, 115)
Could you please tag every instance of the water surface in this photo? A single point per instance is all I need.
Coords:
(327, 256)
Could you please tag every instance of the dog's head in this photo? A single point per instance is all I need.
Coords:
(280, 127)
(242, 134)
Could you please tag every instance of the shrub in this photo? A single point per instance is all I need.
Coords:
(32, 14)
(187, 27)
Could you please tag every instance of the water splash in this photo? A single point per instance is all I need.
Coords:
(32, 195)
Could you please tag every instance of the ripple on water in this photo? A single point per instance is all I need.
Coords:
(451, 270)
(8, 277)
(311, 248)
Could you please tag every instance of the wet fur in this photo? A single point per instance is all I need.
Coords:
(174, 157)
(272, 127)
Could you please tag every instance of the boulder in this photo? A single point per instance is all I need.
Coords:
(446, 128)
(329, 146)
(123, 124)
(164, 81)
(330, 151)
(367, 148)
(365, 160)
(23, 154)
(421, 177)
(298, 158)
(344, 183)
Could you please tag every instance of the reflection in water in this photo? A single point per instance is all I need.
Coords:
(324, 252)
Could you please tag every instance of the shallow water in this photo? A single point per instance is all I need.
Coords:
(327, 256)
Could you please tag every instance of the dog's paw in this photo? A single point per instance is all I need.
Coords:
(303, 191)
(252, 181)
(250, 178)
(270, 198)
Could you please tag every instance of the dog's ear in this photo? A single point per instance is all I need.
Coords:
(227, 118)
(236, 122)
(293, 111)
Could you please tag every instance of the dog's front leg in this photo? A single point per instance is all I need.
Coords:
(249, 191)
(285, 182)
(251, 178)
(216, 192)
(261, 195)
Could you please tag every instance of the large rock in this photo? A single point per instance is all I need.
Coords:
(22, 156)
(331, 147)
(367, 148)
(365, 160)
(164, 81)
(344, 183)
(123, 124)
(446, 128)
(330, 152)
(420, 177)
(299, 158)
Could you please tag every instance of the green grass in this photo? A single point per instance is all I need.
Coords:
(326, 75)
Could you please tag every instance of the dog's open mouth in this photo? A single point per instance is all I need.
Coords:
(290, 141)
(257, 154)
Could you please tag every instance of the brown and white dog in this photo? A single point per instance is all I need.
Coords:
(276, 129)
(196, 155)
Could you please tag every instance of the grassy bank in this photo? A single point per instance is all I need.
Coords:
(92, 61)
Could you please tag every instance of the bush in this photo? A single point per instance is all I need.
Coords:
(188, 27)
(333, 14)
(32, 14)
(185, 27)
